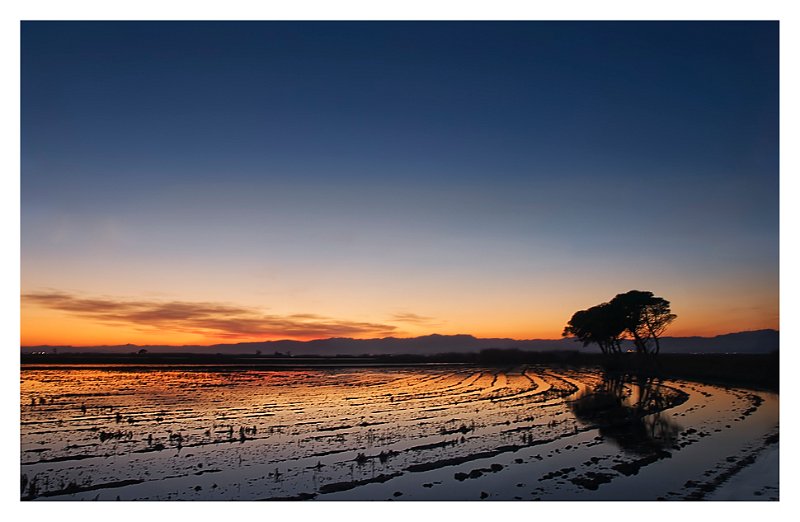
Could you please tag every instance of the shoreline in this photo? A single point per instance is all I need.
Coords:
(754, 371)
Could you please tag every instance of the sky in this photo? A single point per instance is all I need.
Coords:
(194, 183)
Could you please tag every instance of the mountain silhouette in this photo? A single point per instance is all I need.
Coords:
(759, 341)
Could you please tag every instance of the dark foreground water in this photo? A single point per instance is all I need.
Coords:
(453, 433)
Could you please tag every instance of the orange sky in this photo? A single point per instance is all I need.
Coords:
(91, 319)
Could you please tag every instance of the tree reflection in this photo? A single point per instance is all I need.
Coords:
(630, 411)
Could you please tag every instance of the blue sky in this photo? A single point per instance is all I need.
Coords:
(491, 176)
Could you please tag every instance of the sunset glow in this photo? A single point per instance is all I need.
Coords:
(193, 184)
(369, 261)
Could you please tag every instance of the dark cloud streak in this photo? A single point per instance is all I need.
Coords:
(204, 318)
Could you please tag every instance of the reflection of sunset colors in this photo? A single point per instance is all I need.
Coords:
(200, 183)
(338, 434)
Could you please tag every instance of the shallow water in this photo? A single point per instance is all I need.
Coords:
(442, 433)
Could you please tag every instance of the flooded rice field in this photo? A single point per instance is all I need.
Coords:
(424, 433)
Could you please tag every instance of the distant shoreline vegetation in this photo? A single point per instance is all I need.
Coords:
(756, 341)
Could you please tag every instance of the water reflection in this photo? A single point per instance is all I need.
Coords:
(347, 434)
(630, 412)
(206, 434)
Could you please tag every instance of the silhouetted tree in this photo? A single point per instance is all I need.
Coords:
(637, 315)
(644, 316)
(599, 324)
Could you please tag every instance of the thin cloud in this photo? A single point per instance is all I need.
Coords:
(204, 318)
(407, 317)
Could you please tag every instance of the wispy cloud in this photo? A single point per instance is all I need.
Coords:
(407, 317)
(217, 320)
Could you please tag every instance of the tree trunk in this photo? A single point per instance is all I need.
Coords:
(641, 347)
(654, 336)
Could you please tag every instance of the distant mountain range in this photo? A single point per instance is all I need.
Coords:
(759, 341)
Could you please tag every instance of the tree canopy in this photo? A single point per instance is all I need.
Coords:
(636, 315)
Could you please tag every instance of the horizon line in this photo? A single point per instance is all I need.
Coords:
(362, 339)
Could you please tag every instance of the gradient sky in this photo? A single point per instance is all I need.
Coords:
(217, 182)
